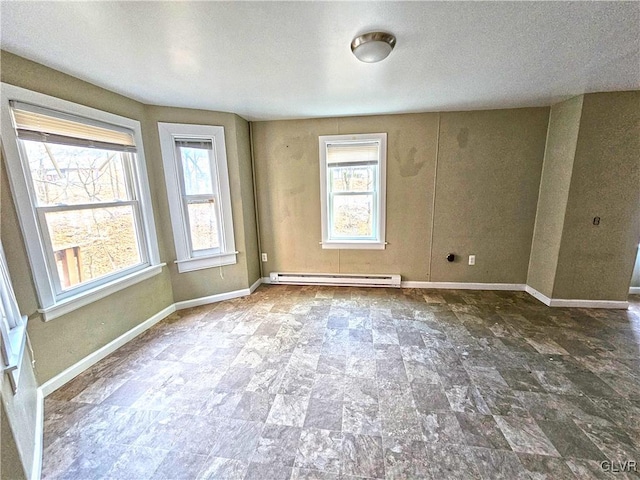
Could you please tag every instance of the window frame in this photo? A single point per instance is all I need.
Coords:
(53, 300)
(13, 330)
(188, 259)
(378, 241)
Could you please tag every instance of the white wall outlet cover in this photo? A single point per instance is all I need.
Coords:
(472, 259)
(264, 257)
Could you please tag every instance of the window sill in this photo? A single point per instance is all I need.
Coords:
(354, 245)
(17, 342)
(85, 298)
(210, 261)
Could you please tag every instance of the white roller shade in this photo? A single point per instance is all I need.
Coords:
(357, 153)
(189, 143)
(42, 125)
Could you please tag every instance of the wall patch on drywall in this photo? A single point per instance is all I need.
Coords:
(293, 148)
(408, 165)
(290, 192)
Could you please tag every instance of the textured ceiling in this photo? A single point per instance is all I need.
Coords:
(269, 60)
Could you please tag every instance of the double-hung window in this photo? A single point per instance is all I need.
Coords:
(13, 327)
(197, 178)
(80, 187)
(352, 185)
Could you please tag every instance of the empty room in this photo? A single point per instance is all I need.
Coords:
(319, 240)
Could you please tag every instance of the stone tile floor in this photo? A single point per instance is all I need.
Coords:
(345, 383)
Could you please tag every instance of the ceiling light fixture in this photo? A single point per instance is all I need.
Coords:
(373, 46)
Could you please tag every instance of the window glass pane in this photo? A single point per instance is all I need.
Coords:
(352, 179)
(196, 171)
(91, 243)
(352, 216)
(4, 318)
(203, 223)
(67, 175)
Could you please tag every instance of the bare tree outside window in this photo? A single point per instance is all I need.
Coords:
(352, 201)
(84, 197)
(200, 198)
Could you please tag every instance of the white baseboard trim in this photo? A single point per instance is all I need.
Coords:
(196, 302)
(511, 287)
(514, 287)
(255, 285)
(36, 466)
(609, 304)
(76, 369)
(537, 295)
(571, 303)
(634, 290)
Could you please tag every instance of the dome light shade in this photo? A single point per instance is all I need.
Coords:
(373, 46)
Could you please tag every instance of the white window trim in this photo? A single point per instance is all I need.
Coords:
(13, 334)
(379, 243)
(188, 260)
(51, 304)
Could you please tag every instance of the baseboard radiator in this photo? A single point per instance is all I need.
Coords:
(337, 279)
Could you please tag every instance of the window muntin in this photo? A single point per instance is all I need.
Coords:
(87, 210)
(79, 183)
(352, 186)
(352, 192)
(196, 174)
(200, 195)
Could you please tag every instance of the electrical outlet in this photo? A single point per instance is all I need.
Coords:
(472, 259)
(264, 257)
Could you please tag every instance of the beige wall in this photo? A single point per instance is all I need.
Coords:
(489, 165)
(62, 342)
(210, 281)
(488, 170)
(595, 262)
(562, 137)
(10, 463)
(288, 185)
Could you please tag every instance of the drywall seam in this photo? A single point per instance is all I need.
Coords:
(255, 196)
(433, 196)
